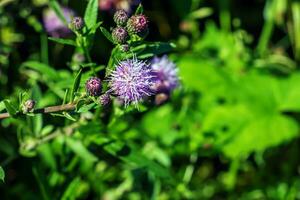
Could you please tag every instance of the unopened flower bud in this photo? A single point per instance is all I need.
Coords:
(93, 86)
(28, 106)
(77, 23)
(124, 48)
(104, 99)
(119, 35)
(137, 24)
(121, 18)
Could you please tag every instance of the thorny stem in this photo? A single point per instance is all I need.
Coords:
(51, 109)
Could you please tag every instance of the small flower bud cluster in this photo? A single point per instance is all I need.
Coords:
(28, 106)
(93, 86)
(128, 26)
(77, 24)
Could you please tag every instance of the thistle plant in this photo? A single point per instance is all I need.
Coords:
(133, 72)
(90, 92)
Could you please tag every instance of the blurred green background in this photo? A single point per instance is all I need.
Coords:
(230, 132)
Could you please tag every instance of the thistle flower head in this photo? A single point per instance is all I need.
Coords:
(137, 24)
(28, 106)
(93, 86)
(131, 81)
(77, 23)
(53, 24)
(120, 17)
(119, 35)
(166, 73)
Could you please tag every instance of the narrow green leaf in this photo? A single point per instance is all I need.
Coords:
(2, 174)
(66, 96)
(72, 189)
(80, 150)
(76, 84)
(2, 106)
(154, 48)
(10, 108)
(42, 68)
(132, 156)
(69, 117)
(57, 9)
(94, 28)
(91, 12)
(106, 33)
(139, 10)
(82, 108)
(63, 41)
(42, 183)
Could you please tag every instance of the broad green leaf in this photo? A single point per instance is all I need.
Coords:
(91, 12)
(63, 41)
(2, 174)
(260, 134)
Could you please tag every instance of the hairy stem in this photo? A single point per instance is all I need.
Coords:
(51, 109)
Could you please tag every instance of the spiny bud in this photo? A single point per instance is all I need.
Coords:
(28, 106)
(121, 18)
(119, 35)
(93, 86)
(104, 99)
(137, 24)
(77, 23)
(124, 48)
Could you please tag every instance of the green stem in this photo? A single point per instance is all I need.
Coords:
(265, 37)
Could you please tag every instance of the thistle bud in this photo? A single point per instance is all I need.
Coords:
(104, 99)
(119, 35)
(124, 48)
(137, 24)
(93, 86)
(28, 106)
(121, 18)
(77, 23)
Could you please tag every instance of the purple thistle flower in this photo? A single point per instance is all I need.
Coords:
(166, 74)
(93, 86)
(54, 26)
(131, 81)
